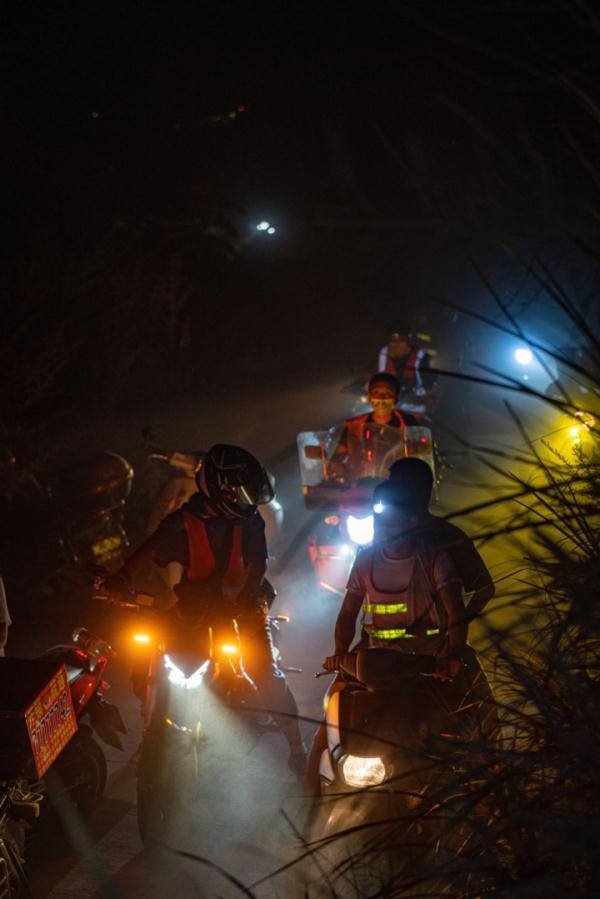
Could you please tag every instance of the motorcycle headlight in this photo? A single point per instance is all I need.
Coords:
(362, 772)
(360, 530)
(178, 678)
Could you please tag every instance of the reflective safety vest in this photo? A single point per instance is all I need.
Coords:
(201, 558)
(410, 376)
(404, 615)
(358, 426)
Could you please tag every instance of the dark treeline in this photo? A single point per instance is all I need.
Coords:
(392, 149)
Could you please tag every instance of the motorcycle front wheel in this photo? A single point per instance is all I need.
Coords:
(13, 880)
(78, 777)
(167, 778)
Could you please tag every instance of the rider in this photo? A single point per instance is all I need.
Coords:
(383, 396)
(409, 593)
(474, 575)
(410, 364)
(430, 616)
(218, 537)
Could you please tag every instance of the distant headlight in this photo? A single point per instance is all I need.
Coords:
(523, 355)
(178, 678)
(360, 530)
(362, 772)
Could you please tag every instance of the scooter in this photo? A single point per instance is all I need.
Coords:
(391, 733)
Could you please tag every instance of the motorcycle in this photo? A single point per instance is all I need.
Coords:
(343, 490)
(50, 763)
(190, 676)
(391, 729)
(82, 510)
(180, 487)
(79, 774)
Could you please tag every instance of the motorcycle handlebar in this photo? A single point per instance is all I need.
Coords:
(138, 601)
(187, 462)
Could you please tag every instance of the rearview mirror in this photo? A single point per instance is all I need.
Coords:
(313, 452)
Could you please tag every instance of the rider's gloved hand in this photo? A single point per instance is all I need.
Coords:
(446, 668)
(333, 663)
(253, 616)
(115, 585)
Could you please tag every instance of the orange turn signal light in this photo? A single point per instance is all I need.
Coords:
(229, 649)
(141, 638)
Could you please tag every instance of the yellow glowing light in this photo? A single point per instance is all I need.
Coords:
(229, 649)
(141, 638)
(574, 432)
(587, 419)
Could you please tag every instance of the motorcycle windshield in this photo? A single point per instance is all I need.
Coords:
(333, 461)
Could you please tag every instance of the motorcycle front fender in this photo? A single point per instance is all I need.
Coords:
(357, 814)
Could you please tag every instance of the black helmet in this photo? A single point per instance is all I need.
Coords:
(409, 486)
(234, 481)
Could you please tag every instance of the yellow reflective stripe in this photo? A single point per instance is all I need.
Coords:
(380, 608)
(396, 633)
(391, 634)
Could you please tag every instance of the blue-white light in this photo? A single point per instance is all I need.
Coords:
(178, 678)
(360, 530)
(271, 230)
(263, 226)
(523, 355)
(378, 508)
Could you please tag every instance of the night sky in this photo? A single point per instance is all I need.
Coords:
(390, 145)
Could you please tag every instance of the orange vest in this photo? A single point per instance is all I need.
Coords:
(356, 426)
(201, 559)
(408, 376)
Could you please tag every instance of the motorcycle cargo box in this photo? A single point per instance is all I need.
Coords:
(36, 715)
(95, 485)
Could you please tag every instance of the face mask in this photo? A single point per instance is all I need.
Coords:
(383, 405)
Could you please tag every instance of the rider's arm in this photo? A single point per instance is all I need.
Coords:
(255, 556)
(451, 598)
(477, 580)
(167, 544)
(345, 626)
(448, 589)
